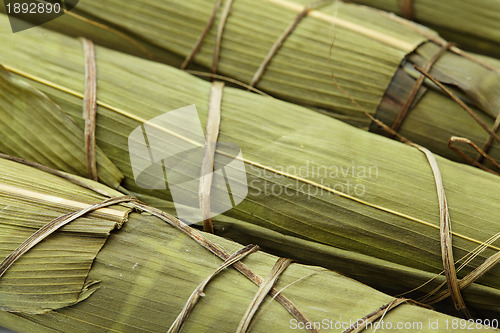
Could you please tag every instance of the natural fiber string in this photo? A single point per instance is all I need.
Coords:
(197, 46)
(250, 162)
(223, 254)
(379, 313)
(464, 261)
(447, 257)
(460, 102)
(445, 225)
(113, 31)
(277, 45)
(491, 132)
(470, 278)
(216, 55)
(487, 145)
(469, 159)
(199, 291)
(376, 121)
(192, 233)
(446, 236)
(418, 83)
(207, 164)
(278, 268)
(406, 7)
(220, 30)
(51, 227)
(90, 107)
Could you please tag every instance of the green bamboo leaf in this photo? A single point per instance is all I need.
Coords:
(369, 53)
(148, 270)
(35, 128)
(479, 34)
(52, 275)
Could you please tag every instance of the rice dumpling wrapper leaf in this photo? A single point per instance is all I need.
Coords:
(473, 26)
(148, 269)
(54, 274)
(362, 48)
(35, 128)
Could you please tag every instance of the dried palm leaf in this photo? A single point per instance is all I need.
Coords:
(139, 278)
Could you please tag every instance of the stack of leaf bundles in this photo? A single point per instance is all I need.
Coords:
(318, 189)
(370, 56)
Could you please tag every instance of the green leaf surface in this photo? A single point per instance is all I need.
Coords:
(361, 48)
(147, 270)
(54, 273)
(35, 128)
(474, 26)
